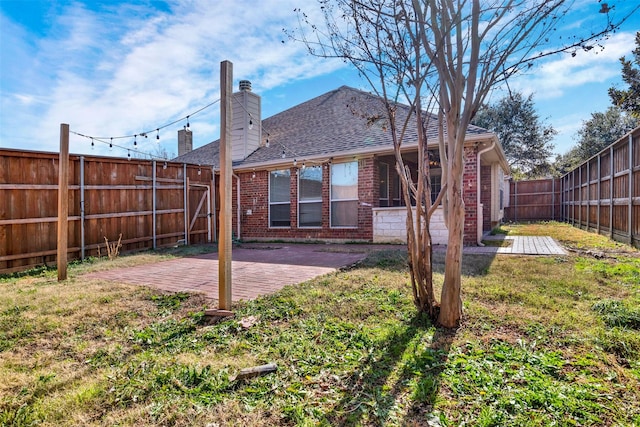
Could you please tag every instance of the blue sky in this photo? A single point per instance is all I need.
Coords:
(111, 68)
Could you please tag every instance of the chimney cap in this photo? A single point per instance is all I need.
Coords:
(245, 85)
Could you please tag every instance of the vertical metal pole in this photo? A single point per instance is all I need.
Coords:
(82, 237)
(185, 187)
(224, 247)
(153, 201)
(63, 202)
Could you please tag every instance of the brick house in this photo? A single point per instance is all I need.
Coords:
(325, 170)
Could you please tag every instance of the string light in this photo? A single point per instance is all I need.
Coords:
(188, 125)
(129, 155)
(283, 154)
(93, 145)
(110, 139)
(111, 144)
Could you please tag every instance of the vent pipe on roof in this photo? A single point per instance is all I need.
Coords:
(245, 85)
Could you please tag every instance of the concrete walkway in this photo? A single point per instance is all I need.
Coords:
(261, 269)
(520, 245)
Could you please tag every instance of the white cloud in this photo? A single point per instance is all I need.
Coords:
(553, 78)
(128, 70)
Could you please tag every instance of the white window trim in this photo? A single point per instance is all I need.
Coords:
(315, 227)
(279, 203)
(331, 200)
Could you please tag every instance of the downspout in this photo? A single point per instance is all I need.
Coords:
(239, 209)
(479, 226)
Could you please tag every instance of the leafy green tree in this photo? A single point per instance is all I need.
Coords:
(603, 129)
(526, 140)
(629, 100)
(566, 162)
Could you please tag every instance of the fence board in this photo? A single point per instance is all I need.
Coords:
(534, 200)
(613, 207)
(118, 198)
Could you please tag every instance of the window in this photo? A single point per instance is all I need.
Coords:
(344, 195)
(310, 197)
(279, 198)
(436, 185)
(384, 184)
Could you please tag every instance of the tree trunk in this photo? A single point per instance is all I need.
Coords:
(450, 300)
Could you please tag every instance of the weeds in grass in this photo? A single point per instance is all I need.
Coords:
(545, 340)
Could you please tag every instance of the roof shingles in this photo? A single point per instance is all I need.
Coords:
(344, 120)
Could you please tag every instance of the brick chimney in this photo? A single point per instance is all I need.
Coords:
(185, 141)
(247, 122)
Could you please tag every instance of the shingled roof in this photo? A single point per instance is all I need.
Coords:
(344, 120)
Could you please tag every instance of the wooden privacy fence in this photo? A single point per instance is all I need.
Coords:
(152, 203)
(534, 200)
(603, 194)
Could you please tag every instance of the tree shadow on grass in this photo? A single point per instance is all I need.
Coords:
(399, 377)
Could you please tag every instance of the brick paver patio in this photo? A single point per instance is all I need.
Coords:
(256, 269)
(261, 269)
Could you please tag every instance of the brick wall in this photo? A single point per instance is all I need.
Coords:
(485, 196)
(254, 203)
(470, 196)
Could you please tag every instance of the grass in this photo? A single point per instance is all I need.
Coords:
(545, 341)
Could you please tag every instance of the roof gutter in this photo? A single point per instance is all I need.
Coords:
(321, 158)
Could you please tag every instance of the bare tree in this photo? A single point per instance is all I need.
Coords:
(451, 52)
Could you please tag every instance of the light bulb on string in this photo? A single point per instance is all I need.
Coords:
(135, 140)
(93, 145)
(267, 143)
(158, 135)
(283, 154)
(128, 155)
(111, 144)
(188, 125)
(250, 124)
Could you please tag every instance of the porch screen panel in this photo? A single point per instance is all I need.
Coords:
(279, 198)
(384, 184)
(310, 197)
(344, 195)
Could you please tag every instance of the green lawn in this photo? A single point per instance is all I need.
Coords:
(545, 341)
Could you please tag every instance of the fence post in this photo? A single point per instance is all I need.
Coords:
(599, 190)
(153, 200)
(226, 125)
(82, 238)
(611, 187)
(515, 201)
(185, 186)
(630, 210)
(63, 202)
